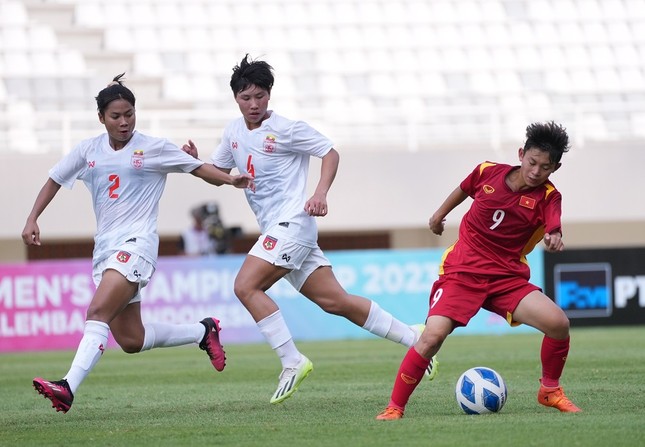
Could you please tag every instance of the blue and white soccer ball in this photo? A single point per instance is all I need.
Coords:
(481, 390)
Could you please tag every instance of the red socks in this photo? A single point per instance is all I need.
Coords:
(409, 376)
(554, 356)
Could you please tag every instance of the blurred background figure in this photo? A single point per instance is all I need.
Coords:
(207, 235)
(195, 240)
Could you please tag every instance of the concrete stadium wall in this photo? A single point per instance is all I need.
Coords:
(602, 188)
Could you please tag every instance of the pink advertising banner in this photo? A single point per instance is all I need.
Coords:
(43, 304)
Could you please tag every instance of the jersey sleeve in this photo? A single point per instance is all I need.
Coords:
(173, 159)
(469, 184)
(306, 139)
(553, 212)
(70, 168)
(222, 156)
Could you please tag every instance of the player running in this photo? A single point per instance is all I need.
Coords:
(276, 152)
(125, 172)
(513, 208)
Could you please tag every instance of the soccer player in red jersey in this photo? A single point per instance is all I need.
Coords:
(513, 208)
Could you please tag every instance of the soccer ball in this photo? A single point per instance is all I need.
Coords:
(481, 390)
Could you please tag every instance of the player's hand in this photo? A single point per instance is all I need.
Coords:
(190, 149)
(243, 181)
(31, 234)
(553, 242)
(317, 205)
(437, 225)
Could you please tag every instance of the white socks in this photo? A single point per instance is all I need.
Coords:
(275, 331)
(157, 335)
(89, 352)
(164, 335)
(379, 322)
(383, 324)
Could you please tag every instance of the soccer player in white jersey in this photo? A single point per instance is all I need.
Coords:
(125, 172)
(276, 152)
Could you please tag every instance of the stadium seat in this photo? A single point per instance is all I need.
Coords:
(589, 10)
(148, 63)
(583, 80)
(13, 13)
(44, 62)
(637, 121)
(17, 62)
(626, 55)
(3, 91)
(15, 37)
(89, 14)
(454, 53)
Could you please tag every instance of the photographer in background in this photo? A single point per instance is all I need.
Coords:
(207, 236)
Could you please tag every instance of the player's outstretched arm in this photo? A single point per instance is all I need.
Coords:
(216, 176)
(31, 232)
(438, 219)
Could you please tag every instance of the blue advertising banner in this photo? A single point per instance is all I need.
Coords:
(598, 287)
(42, 304)
(398, 280)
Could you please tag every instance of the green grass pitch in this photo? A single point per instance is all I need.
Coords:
(173, 397)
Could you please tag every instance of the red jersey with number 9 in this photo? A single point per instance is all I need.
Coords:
(502, 226)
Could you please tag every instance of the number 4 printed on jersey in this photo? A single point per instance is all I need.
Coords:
(249, 166)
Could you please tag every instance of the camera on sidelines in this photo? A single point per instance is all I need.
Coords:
(221, 235)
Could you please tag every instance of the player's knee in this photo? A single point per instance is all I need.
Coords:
(563, 328)
(242, 290)
(431, 340)
(339, 302)
(559, 326)
(131, 346)
(332, 306)
(130, 343)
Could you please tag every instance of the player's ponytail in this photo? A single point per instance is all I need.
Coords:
(114, 90)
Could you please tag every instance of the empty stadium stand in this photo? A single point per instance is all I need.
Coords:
(394, 75)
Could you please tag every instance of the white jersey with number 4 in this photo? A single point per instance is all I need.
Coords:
(277, 155)
(126, 186)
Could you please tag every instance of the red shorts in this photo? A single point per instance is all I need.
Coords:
(459, 296)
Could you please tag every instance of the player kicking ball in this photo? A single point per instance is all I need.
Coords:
(513, 208)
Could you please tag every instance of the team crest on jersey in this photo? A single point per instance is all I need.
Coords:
(137, 159)
(269, 243)
(123, 256)
(234, 145)
(269, 143)
(488, 189)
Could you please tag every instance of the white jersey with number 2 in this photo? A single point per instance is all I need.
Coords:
(126, 186)
(277, 155)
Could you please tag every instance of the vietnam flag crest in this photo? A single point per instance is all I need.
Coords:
(527, 202)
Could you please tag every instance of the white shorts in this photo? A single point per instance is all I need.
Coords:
(133, 267)
(281, 250)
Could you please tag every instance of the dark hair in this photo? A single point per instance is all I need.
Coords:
(549, 137)
(115, 90)
(250, 72)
